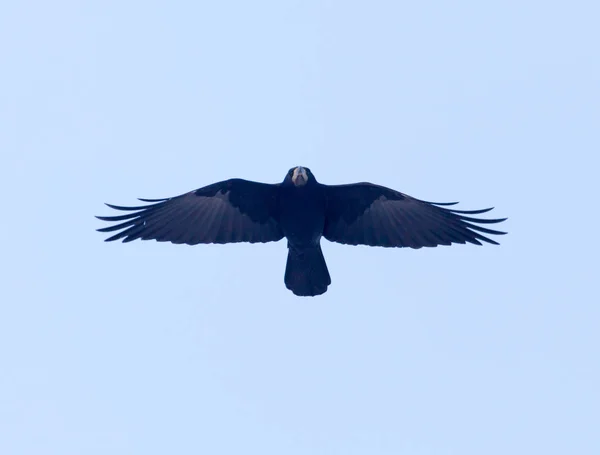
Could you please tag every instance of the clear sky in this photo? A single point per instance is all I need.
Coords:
(151, 348)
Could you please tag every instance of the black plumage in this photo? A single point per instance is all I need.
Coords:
(302, 210)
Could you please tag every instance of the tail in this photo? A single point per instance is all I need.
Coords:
(306, 272)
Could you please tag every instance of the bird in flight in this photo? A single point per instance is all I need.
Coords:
(303, 211)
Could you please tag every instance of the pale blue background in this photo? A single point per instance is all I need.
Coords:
(151, 348)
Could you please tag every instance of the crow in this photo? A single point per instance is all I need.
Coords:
(303, 211)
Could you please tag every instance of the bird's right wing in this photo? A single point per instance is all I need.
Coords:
(234, 210)
(367, 214)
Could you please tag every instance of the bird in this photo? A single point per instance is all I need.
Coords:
(303, 211)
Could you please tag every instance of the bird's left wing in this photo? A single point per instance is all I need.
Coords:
(234, 210)
(367, 214)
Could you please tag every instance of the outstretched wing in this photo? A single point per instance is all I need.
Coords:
(234, 210)
(367, 214)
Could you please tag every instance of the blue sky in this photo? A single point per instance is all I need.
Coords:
(151, 348)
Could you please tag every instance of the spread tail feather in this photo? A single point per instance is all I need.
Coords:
(306, 272)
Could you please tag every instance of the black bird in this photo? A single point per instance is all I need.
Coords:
(302, 210)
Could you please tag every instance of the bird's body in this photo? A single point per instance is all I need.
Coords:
(303, 211)
(302, 208)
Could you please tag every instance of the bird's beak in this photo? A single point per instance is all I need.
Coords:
(299, 177)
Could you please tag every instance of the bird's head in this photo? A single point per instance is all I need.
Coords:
(299, 176)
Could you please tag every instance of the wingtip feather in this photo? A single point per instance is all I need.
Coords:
(153, 200)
